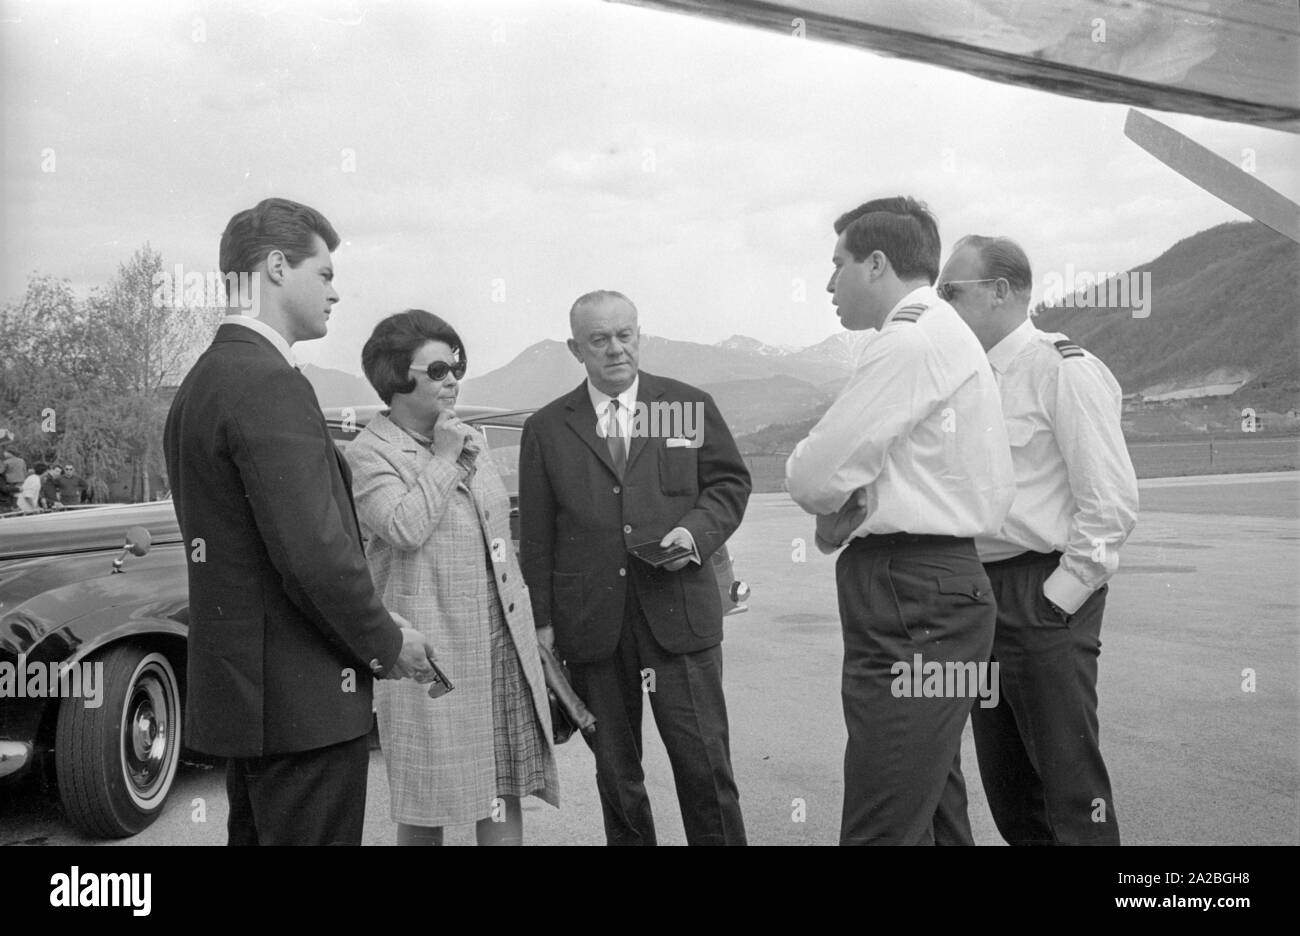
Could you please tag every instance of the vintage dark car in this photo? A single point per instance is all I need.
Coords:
(101, 593)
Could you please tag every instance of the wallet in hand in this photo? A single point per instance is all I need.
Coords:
(659, 556)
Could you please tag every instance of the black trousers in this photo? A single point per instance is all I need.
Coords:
(1039, 750)
(315, 797)
(900, 596)
(685, 692)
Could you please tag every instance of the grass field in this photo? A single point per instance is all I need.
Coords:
(1150, 459)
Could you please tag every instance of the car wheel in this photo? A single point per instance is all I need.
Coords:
(115, 763)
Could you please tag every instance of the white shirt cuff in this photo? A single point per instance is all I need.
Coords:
(1065, 591)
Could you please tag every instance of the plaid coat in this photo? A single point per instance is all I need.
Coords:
(430, 544)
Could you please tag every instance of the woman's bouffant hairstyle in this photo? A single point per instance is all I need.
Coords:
(386, 357)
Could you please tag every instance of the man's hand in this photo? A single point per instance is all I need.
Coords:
(546, 637)
(414, 659)
(678, 536)
(834, 529)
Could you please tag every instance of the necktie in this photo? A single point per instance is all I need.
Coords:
(614, 438)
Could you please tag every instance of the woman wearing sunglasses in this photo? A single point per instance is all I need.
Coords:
(437, 520)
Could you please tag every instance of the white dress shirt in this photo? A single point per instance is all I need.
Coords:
(919, 427)
(626, 417)
(266, 331)
(1076, 491)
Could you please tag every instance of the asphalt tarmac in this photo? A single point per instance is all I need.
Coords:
(1207, 597)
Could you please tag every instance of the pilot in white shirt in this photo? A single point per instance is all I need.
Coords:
(908, 465)
(1076, 503)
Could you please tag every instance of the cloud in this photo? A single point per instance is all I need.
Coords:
(467, 152)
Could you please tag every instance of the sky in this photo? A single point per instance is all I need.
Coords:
(490, 162)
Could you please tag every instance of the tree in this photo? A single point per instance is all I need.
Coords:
(43, 365)
(85, 380)
(148, 345)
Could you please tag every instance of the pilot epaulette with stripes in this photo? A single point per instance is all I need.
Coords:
(1068, 349)
(908, 313)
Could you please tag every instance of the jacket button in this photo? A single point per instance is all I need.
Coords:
(511, 608)
(503, 576)
(617, 489)
(487, 515)
(622, 571)
(627, 529)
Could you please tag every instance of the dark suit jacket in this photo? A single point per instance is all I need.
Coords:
(284, 620)
(577, 520)
(72, 490)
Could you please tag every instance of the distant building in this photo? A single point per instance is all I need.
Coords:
(1195, 393)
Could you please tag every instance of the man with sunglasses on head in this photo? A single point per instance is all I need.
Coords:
(908, 465)
(1076, 503)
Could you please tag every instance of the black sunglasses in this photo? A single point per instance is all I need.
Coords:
(946, 290)
(438, 370)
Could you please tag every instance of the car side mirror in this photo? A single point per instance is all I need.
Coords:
(138, 540)
(138, 543)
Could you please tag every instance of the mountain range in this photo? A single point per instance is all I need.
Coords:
(753, 383)
(1225, 305)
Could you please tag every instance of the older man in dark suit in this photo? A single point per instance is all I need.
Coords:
(285, 627)
(629, 458)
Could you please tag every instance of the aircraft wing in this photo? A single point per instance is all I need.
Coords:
(1233, 60)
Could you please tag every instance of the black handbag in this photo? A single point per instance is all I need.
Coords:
(568, 712)
(562, 726)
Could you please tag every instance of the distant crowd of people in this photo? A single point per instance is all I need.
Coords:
(40, 486)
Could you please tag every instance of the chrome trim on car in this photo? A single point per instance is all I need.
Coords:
(14, 755)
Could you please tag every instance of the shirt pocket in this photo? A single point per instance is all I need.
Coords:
(1020, 429)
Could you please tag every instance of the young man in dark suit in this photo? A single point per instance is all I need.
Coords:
(285, 627)
(620, 461)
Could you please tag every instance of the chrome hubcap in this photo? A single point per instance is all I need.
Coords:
(146, 734)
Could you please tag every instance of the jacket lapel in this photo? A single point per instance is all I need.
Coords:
(344, 468)
(582, 420)
(648, 390)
